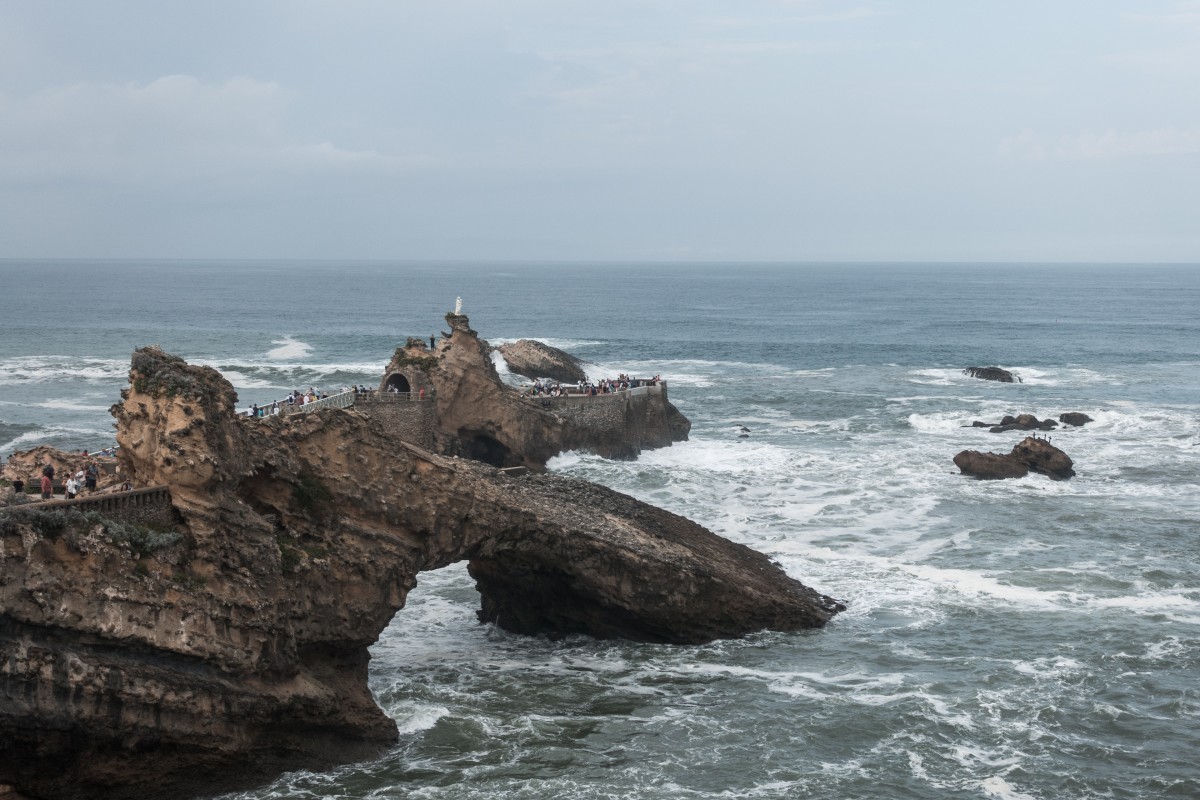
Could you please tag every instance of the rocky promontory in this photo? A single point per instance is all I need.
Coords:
(479, 416)
(237, 647)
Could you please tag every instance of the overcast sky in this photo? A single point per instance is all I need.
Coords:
(604, 130)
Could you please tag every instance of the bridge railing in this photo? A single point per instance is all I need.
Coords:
(340, 400)
(571, 393)
(107, 502)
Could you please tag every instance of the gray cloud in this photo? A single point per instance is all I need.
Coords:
(535, 129)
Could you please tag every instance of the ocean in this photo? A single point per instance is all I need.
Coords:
(1021, 639)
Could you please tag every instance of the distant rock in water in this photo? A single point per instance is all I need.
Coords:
(534, 359)
(1021, 422)
(992, 374)
(1028, 422)
(1029, 455)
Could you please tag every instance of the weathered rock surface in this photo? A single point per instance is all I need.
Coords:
(533, 359)
(992, 374)
(1075, 418)
(1029, 455)
(241, 651)
(480, 417)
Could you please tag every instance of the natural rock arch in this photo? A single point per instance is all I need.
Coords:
(244, 652)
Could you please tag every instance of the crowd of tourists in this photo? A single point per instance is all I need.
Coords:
(84, 479)
(589, 388)
(296, 397)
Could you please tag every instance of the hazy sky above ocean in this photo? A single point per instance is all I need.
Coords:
(539, 129)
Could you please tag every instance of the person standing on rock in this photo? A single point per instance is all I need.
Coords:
(431, 341)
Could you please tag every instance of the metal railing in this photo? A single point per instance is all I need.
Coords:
(571, 393)
(340, 400)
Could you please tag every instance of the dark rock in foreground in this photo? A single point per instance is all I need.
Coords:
(992, 374)
(1029, 455)
(242, 650)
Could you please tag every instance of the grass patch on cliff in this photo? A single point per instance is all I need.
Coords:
(425, 363)
(310, 494)
(289, 557)
(140, 540)
(48, 523)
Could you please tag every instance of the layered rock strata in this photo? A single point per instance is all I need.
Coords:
(240, 650)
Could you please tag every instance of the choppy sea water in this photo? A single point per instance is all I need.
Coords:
(1013, 639)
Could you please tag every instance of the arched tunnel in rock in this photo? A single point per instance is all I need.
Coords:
(482, 447)
(398, 382)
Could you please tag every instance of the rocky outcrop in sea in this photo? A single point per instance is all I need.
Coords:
(534, 359)
(234, 645)
(1028, 455)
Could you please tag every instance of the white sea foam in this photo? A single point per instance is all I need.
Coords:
(411, 718)
(69, 405)
(241, 381)
(997, 786)
(566, 345)
(288, 348)
(502, 367)
(31, 438)
(65, 369)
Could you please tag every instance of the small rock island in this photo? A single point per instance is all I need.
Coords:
(235, 646)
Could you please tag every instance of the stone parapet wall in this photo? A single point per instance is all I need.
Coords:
(413, 422)
(151, 507)
(625, 421)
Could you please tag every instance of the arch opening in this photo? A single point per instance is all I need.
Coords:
(482, 447)
(398, 382)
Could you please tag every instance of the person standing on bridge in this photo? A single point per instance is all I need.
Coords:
(71, 488)
(47, 487)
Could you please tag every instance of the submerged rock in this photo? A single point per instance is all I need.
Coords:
(1022, 422)
(1028, 455)
(992, 374)
(241, 651)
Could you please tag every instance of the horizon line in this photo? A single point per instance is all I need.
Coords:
(583, 262)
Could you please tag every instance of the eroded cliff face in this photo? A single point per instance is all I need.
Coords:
(241, 650)
(482, 418)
